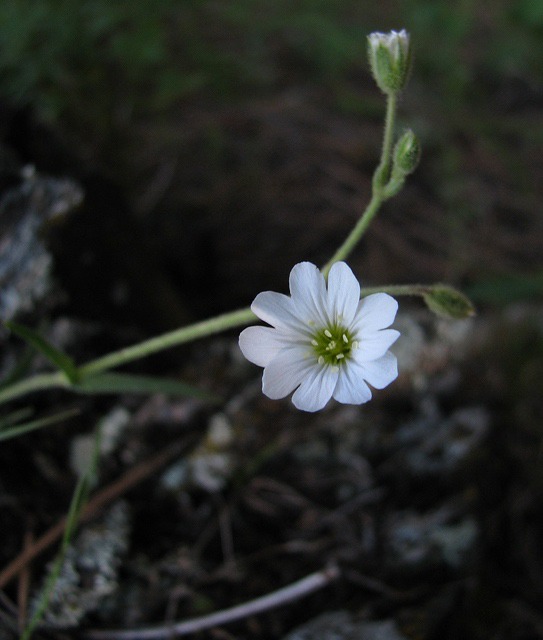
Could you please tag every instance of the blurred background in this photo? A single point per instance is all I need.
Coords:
(218, 143)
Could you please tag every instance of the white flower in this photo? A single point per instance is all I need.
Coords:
(325, 342)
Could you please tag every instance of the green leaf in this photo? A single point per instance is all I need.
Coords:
(77, 504)
(57, 357)
(6, 433)
(128, 383)
(447, 302)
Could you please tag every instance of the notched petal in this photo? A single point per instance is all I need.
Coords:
(343, 293)
(276, 309)
(351, 388)
(376, 311)
(308, 290)
(285, 372)
(261, 344)
(375, 344)
(381, 372)
(315, 390)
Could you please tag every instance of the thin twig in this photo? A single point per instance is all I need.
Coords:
(290, 593)
(94, 506)
(24, 583)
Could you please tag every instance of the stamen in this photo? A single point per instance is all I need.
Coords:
(335, 369)
(339, 356)
(327, 333)
(314, 343)
(321, 360)
(354, 344)
(345, 339)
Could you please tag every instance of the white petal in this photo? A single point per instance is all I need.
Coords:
(351, 388)
(343, 293)
(375, 344)
(316, 389)
(375, 311)
(308, 290)
(286, 371)
(261, 344)
(381, 372)
(277, 309)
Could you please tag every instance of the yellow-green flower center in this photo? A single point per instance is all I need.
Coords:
(333, 345)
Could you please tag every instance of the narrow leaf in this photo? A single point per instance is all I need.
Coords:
(17, 430)
(57, 357)
(77, 504)
(128, 383)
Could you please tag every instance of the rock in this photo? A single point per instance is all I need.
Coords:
(89, 571)
(430, 540)
(340, 625)
(25, 262)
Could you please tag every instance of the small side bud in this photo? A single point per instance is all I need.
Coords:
(448, 302)
(390, 59)
(406, 153)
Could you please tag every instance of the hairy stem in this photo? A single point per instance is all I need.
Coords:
(167, 340)
(380, 180)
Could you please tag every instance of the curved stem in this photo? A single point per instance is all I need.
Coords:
(378, 196)
(166, 340)
(357, 232)
(202, 329)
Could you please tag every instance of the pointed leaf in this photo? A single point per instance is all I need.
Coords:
(57, 357)
(128, 383)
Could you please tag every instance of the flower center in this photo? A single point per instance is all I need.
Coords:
(333, 345)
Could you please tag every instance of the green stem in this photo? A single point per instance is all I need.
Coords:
(378, 196)
(357, 232)
(388, 137)
(398, 290)
(167, 340)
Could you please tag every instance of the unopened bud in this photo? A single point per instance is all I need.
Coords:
(406, 154)
(448, 302)
(390, 59)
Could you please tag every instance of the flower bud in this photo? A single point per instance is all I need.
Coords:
(390, 59)
(406, 154)
(448, 302)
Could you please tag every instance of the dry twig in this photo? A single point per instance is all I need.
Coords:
(104, 497)
(290, 593)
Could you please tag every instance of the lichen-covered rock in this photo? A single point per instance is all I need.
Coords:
(340, 625)
(25, 262)
(90, 568)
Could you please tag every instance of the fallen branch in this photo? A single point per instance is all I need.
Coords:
(290, 593)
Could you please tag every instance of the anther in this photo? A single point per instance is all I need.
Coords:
(345, 339)
(321, 360)
(335, 369)
(327, 333)
(339, 356)
(314, 343)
